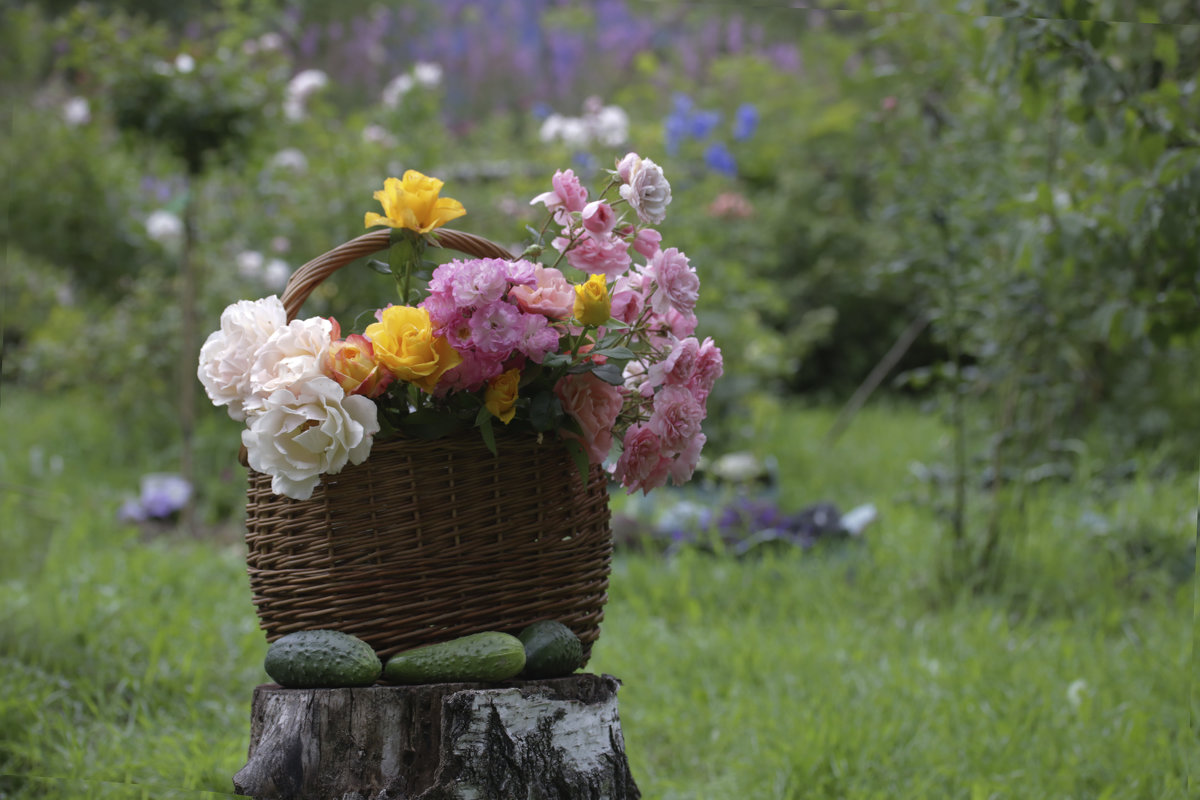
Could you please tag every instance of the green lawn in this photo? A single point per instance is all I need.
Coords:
(130, 659)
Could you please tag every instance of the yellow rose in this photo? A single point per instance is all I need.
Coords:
(593, 306)
(501, 395)
(404, 344)
(413, 203)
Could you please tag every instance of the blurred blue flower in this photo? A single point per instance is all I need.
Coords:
(585, 162)
(675, 131)
(718, 158)
(702, 123)
(745, 122)
(541, 110)
(681, 104)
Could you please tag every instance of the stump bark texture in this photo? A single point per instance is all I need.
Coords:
(543, 740)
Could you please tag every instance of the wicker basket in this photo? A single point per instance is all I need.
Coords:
(429, 540)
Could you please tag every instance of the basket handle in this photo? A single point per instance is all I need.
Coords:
(309, 276)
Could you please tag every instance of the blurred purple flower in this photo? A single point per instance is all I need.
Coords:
(163, 495)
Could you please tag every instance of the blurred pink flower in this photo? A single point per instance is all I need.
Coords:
(730, 205)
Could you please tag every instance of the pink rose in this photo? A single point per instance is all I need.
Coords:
(626, 303)
(552, 295)
(595, 405)
(598, 217)
(647, 242)
(626, 165)
(675, 282)
(475, 370)
(679, 365)
(594, 255)
(709, 367)
(684, 464)
(568, 195)
(642, 464)
(676, 417)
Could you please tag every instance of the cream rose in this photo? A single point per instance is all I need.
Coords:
(646, 189)
(292, 354)
(308, 430)
(228, 354)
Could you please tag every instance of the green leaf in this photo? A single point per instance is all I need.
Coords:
(619, 353)
(545, 412)
(610, 373)
(379, 266)
(489, 436)
(556, 360)
(580, 458)
(482, 416)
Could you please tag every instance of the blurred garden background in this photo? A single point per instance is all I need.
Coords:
(943, 544)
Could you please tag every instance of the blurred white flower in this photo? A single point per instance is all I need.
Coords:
(377, 134)
(1076, 692)
(77, 111)
(290, 158)
(280, 244)
(550, 126)
(611, 126)
(394, 92)
(270, 42)
(571, 131)
(250, 264)
(307, 81)
(427, 74)
(164, 227)
(299, 89)
(608, 125)
(276, 274)
(184, 63)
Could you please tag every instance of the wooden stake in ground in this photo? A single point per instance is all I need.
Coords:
(556, 739)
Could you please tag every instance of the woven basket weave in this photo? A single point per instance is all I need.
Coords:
(426, 541)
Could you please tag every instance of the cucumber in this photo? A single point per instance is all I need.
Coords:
(487, 656)
(552, 650)
(323, 659)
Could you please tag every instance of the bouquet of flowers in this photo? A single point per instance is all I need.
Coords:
(572, 339)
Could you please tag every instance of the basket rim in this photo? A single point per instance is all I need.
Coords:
(309, 276)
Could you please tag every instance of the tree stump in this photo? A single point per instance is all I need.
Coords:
(545, 739)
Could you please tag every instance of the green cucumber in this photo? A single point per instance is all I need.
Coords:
(487, 656)
(323, 659)
(552, 650)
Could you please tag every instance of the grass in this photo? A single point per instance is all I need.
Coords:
(129, 660)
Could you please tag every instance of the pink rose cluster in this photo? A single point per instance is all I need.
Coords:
(657, 414)
(497, 315)
(676, 388)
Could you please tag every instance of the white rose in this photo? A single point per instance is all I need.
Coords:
(647, 190)
(291, 354)
(229, 353)
(308, 430)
